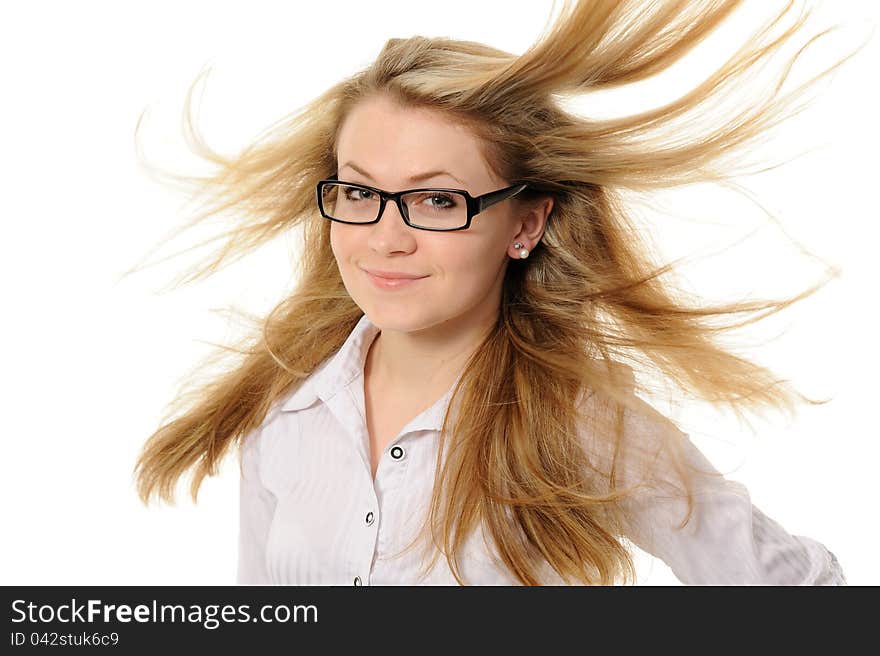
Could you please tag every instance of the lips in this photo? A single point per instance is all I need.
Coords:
(393, 275)
(388, 284)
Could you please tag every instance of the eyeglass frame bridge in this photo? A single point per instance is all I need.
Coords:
(475, 204)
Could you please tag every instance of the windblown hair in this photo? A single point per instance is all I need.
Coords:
(588, 305)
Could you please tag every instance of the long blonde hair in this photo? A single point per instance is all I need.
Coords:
(587, 300)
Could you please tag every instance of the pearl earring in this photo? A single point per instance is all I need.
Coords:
(524, 253)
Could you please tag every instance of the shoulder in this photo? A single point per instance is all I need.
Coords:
(256, 442)
(645, 448)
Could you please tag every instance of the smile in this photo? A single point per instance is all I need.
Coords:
(392, 283)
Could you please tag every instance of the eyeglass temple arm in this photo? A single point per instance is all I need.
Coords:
(488, 200)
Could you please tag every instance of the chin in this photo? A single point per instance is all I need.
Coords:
(404, 320)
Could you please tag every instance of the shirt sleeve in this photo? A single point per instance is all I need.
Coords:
(727, 539)
(256, 509)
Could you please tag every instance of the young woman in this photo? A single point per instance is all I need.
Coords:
(452, 393)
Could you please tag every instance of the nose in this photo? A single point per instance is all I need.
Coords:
(395, 218)
(391, 233)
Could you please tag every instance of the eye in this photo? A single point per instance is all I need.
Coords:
(366, 193)
(441, 201)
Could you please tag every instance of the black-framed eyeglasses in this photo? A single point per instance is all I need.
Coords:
(425, 209)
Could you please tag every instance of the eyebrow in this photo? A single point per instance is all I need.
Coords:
(415, 178)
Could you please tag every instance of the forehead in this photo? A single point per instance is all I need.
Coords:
(393, 142)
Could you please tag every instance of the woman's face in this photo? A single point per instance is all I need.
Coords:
(462, 270)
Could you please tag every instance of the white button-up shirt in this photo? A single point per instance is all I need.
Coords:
(311, 513)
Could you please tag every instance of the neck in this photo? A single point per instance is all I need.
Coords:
(428, 359)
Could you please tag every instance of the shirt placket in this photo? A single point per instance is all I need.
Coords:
(366, 511)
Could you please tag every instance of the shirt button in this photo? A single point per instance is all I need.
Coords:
(357, 580)
(397, 452)
(369, 518)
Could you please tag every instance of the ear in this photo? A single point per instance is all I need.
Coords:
(531, 224)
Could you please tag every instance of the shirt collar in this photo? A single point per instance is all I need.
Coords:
(338, 370)
(344, 366)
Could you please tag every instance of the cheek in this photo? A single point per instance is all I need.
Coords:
(473, 267)
(341, 242)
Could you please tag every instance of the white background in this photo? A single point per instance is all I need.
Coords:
(91, 359)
